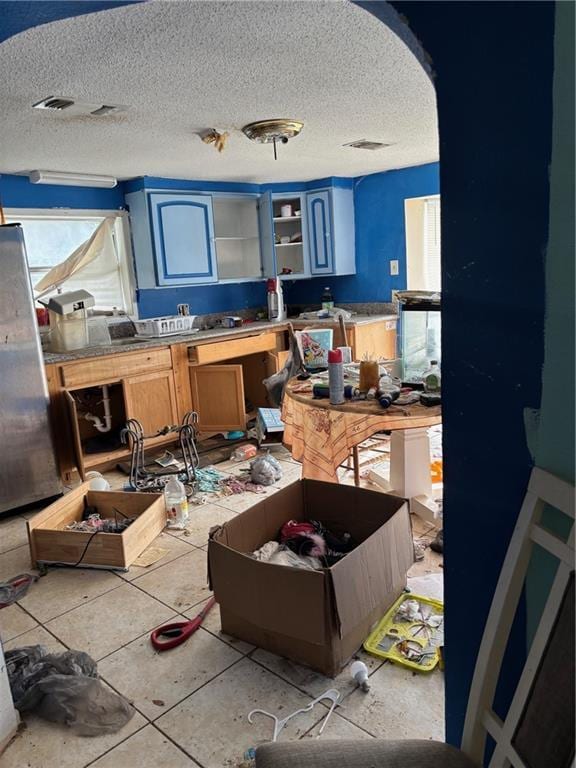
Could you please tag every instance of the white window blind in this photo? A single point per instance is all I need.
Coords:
(431, 245)
(51, 239)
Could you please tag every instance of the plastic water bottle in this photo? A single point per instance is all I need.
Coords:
(335, 376)
(176, 503)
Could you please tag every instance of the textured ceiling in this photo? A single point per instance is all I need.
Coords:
(185, 66)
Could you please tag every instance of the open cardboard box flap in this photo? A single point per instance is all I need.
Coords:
(380, 525)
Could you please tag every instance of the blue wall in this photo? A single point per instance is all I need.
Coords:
(18, 192)
(493, 65)
(380, 237)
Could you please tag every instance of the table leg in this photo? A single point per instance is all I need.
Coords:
(410, 471)
(356, 461)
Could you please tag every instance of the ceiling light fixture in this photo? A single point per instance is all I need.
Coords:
(271, 131)
(72, 179)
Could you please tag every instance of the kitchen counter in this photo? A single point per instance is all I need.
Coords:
(131, 344)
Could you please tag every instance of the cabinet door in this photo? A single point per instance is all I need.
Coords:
(218, 397)
(266, 226)
(151, 398)
(182, 234)
(320, 233)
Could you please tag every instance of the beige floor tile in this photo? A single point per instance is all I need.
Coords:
(14, 621)
(240, 502)
(36, 636)
(202, 519)
(110, 621)
(432, 562)
(181, 583)
(337, 728)
(62, 589)
(175, 547)
(213, 624)
(47, 745)
(146, 749)
(421, 527)
(13, 533)
(309, 681)
(169, 676)
(14, 562)
(222, 708)
(400, 704)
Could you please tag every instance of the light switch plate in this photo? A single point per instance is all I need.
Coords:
(394, 266)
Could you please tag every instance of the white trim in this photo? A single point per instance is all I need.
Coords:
(543, 488)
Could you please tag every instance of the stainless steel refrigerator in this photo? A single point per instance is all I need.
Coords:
(28, 471)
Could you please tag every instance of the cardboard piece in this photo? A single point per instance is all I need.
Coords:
(317, 618)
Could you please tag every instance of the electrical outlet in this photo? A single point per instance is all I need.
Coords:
(394, 267)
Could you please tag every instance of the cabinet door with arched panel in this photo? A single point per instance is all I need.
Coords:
(182, 238)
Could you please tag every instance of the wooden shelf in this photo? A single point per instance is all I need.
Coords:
(284, 245)
(287, 218)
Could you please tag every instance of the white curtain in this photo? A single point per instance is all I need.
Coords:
(93, 266)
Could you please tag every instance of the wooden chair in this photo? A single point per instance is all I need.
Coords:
(538, 729)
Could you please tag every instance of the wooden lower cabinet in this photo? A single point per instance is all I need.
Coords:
(218, 397)
(151, 399)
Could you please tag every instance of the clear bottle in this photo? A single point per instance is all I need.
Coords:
(176, 503)
(327, 300)
(432, 378)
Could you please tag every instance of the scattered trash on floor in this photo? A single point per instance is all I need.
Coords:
(265, 470)
(411, 633)
(437, 545)
(244, 452)
(179, 631)
(150, 556)
(15, 588)
(359, 672)
(65, 688)
(419, 551)
(279, 723)
(234, 485)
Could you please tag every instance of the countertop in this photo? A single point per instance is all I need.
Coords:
(202, 337)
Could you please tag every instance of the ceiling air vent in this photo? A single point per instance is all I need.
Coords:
(75, 108)
(54, 102)
(365, 144)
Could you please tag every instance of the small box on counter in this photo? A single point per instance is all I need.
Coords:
(317, 618)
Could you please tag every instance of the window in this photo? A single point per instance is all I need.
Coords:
(423, 243)
(51, 237)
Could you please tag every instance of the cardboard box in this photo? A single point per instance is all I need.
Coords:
(51, 543)
(317, 618)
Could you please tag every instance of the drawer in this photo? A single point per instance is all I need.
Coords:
(113, 368)
(228, 350)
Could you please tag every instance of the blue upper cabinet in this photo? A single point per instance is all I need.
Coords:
(319, 233)
(182, 236)
(331, 231)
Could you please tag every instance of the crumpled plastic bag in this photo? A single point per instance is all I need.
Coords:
(65, 688)
(265, 470)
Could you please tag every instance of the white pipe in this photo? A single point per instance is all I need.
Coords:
(106, 425)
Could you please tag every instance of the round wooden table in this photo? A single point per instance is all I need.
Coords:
(321, 436)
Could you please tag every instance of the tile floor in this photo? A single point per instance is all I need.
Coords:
(192, 702)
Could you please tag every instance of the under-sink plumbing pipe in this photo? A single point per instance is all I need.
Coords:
(106, 425)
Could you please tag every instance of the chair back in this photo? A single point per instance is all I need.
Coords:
(538, 730)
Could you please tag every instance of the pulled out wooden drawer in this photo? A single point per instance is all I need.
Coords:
(228, 350)
(114, 367)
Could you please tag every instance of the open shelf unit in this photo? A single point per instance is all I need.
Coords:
(289, 255)
(236, 237)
